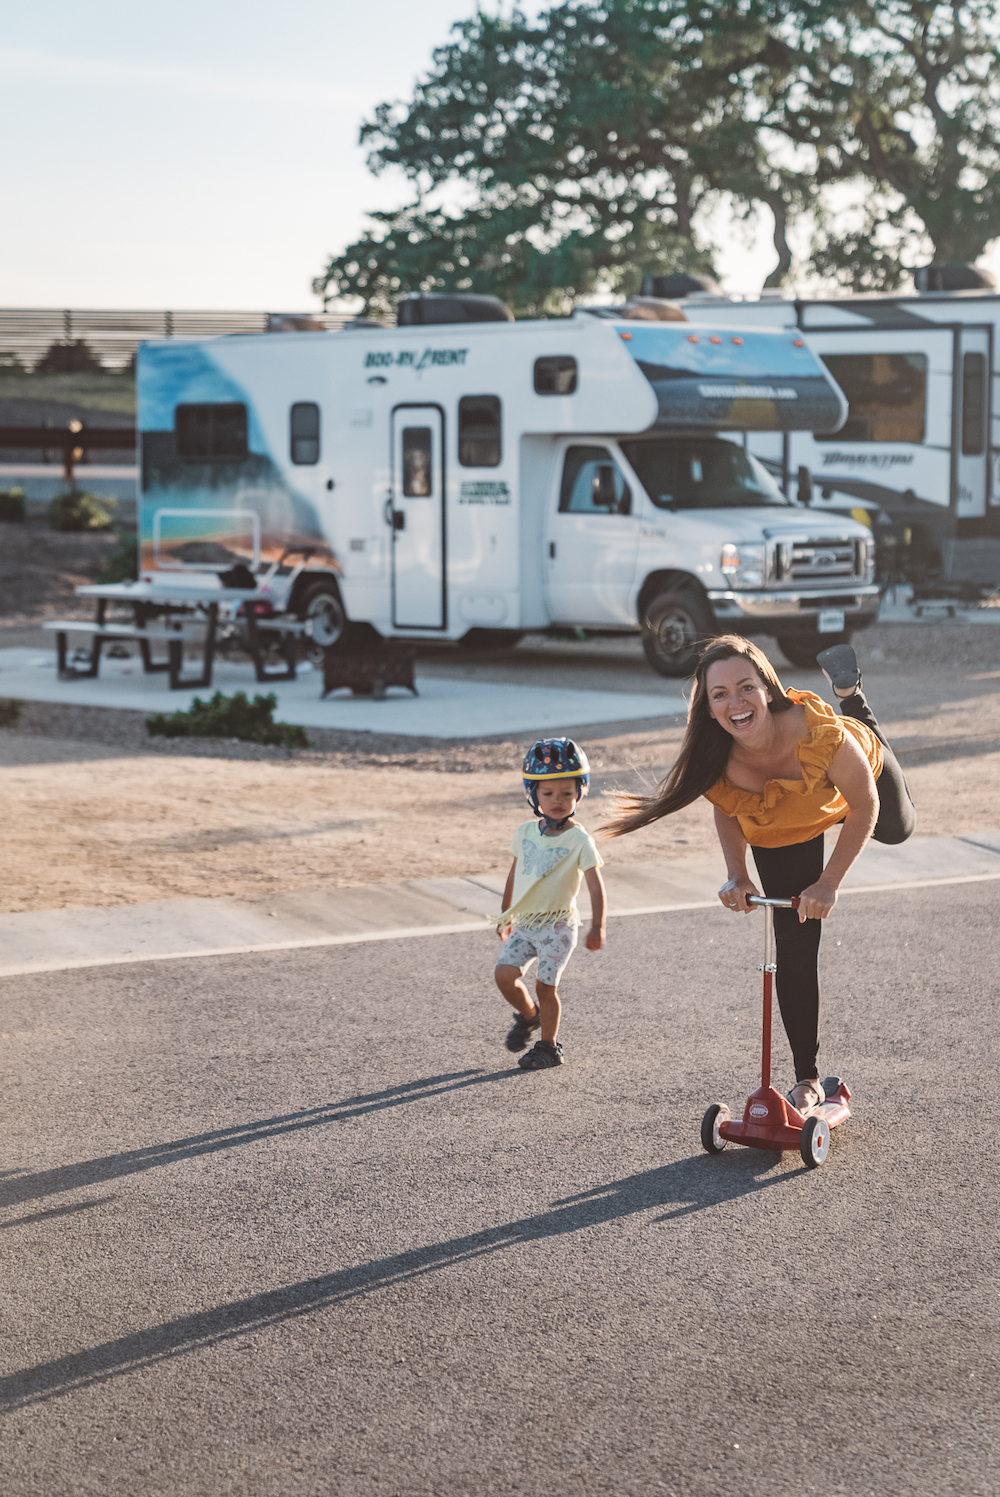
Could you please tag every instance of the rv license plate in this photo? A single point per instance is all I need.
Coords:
(830, 621)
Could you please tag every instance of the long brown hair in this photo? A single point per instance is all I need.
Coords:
(705, 750)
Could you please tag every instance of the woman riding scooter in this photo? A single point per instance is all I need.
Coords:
(781, 768)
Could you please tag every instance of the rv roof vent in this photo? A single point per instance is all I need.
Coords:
(425, 307)
(672, 287)
(953, 278)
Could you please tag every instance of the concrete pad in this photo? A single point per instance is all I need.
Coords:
(446, 708)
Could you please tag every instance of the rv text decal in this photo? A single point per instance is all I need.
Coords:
(868, 459)
(484, 492)
(408, 358)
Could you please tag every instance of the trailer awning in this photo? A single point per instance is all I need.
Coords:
(751, 380)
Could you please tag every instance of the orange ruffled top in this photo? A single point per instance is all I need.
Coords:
(790, 811)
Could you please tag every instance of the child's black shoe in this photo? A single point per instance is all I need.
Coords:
(541, 1056)
(520, 1030)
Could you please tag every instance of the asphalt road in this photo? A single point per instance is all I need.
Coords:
(293, 1224)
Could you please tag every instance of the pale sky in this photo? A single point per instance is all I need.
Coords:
(205, 155)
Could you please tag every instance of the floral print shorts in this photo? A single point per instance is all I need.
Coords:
(552, 944)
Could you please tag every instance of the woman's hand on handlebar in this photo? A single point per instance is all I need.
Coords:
(816, 902)
(736, 891)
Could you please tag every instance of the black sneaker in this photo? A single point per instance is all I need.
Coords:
(541, 1056)
(839, 665)
(517, 1035)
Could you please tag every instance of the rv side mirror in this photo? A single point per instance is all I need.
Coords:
(805, 485)
(605, 491)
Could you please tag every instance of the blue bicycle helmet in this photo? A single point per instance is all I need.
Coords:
(554, 759)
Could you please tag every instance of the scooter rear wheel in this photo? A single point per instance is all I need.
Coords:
(814, 1141)
(711, 1140)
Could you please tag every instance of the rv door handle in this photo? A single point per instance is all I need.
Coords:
(388, 511)
(399, 519)
(552, 550)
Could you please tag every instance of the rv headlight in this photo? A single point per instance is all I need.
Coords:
(743, 566)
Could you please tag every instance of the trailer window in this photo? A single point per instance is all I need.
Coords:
(555, 375)
(590, 473)
(479, 431)
(418, 475)
(304, 432)
(973, 404)
(706, 473)
(886, 396)
(211, 431)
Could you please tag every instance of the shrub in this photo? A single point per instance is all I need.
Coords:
(80, 511)
(122, 565)
(69, 358)
(11, 504)
(10, 711)
(229, 717)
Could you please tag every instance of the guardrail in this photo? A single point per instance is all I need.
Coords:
(72, 441)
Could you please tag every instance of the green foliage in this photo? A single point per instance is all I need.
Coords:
(585, 145)
(10, 712)
(77, 510)
(122, 565)
(11, 504)
(229, 717)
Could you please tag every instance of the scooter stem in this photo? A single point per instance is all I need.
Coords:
(768, 967)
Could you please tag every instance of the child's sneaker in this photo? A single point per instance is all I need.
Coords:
(520, 1030)
(541, 1056)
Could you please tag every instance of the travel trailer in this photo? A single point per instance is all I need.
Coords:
(921, 441)
(460, 479)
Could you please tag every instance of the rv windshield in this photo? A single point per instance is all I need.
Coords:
(701, 473)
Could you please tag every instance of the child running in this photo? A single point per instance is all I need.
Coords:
(540, 918)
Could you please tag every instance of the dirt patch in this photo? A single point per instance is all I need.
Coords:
(99, 814)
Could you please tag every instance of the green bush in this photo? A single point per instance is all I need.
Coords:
(229, 717)
(10, 711)
(77, 510)
(11, 504)
(122, 565)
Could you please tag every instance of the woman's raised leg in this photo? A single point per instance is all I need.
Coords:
(897, 817)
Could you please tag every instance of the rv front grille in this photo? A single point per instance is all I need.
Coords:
(819, 561)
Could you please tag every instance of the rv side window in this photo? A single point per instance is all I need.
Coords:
(973, 404)
(592, 484)
(479, 431)
(304, 432)
(886, 396)
(211, 431)
(555, 375)
(418, 477)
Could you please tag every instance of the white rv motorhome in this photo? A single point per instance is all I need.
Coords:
(922, 436)
(471, 480)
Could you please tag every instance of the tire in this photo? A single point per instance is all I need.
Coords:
(814, 1141)
(319, 602)
(675, 624)
(491, 639)
(710, 1140)
(802, 649)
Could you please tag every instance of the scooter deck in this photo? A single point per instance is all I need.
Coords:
(771, 1122)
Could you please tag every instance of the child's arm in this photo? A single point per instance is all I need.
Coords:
(595, 888)
(507, 896)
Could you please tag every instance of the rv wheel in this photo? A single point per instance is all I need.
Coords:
(320, 605)
(802, 649)
(674, 625)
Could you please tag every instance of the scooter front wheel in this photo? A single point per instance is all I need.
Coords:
(711, 1139)
(814, 1141)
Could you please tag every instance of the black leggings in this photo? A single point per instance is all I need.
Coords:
(786, 871)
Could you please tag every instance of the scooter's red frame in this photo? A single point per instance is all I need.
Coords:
(769, 1120)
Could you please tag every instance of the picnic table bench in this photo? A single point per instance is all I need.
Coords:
(150, 602)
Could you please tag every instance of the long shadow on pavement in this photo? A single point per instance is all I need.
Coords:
(688, 1184)
(16, 1189)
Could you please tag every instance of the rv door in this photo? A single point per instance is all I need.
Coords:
(593, 540)
(972, 388)
(416, 511)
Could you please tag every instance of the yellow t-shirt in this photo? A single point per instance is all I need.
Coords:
(790, 811)
(548, 875)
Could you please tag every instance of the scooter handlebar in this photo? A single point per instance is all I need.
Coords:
(774, 904)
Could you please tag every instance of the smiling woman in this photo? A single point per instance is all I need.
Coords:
(781, 768)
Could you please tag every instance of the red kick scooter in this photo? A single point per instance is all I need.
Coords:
(769, 1119)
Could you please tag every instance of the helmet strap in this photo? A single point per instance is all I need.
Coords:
(547, 823)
